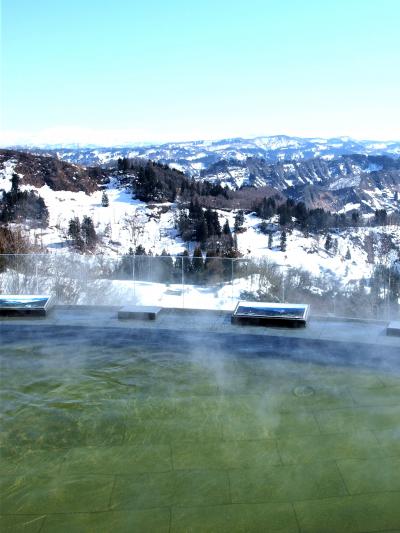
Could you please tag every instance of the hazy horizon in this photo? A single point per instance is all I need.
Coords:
(76, 141)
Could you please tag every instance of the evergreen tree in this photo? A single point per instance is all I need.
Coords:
(217, 225)
(185, 226)
(74, 228)
(226, 228)
(146, 186)
(213, 225)
(167, 267)
(301, 214)
(104, 199)
(140, 250)
(88, 233)
(197, 261)
(124, 166)
(380, 217)
(174, 193)
(267, 208)
(328, 242)
(348, 254)
(284, 216)
(227, 241)
(186, 263)
(208, 215)
(74, 231)
(23, 206)
(141, 263)
(195, 211)
(42, 212)
(283, 241)
(202, 230)
(14, 184)
(239, 221)
(355, 218)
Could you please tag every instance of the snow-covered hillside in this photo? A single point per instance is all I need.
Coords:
(114, 224)
(127, 222)
(332, 174)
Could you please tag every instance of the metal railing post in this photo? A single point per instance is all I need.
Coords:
(134, 276)
(36, 276)
(232, 260)
(183, 284)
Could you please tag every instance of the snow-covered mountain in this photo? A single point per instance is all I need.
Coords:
(348, 182)
(348, 260)
(365, 182)
(334, 173)
(197, 156)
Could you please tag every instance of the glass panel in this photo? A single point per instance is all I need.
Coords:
(199, 282)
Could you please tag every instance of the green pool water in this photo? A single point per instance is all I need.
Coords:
(96, 439)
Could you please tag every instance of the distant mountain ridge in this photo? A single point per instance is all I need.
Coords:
(342, 171)
(195, 157)
(343, 183)
(357, 181)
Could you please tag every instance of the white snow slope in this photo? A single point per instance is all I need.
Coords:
(159, 233)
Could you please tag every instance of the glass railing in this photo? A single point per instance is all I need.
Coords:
(197, 283)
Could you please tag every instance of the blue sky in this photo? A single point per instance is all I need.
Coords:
(156, 70)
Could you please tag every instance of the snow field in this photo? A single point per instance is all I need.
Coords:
(158, 232)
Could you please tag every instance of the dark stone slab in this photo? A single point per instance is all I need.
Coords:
(267, 321)
(25, 305)
(270, 314)
(393, 329)
(141, 312)
(23, 312)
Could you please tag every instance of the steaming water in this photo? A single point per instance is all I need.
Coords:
(96, 438)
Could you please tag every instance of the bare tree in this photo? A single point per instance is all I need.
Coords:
(134, 225)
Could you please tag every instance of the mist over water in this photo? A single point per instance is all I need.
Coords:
(111, 421)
